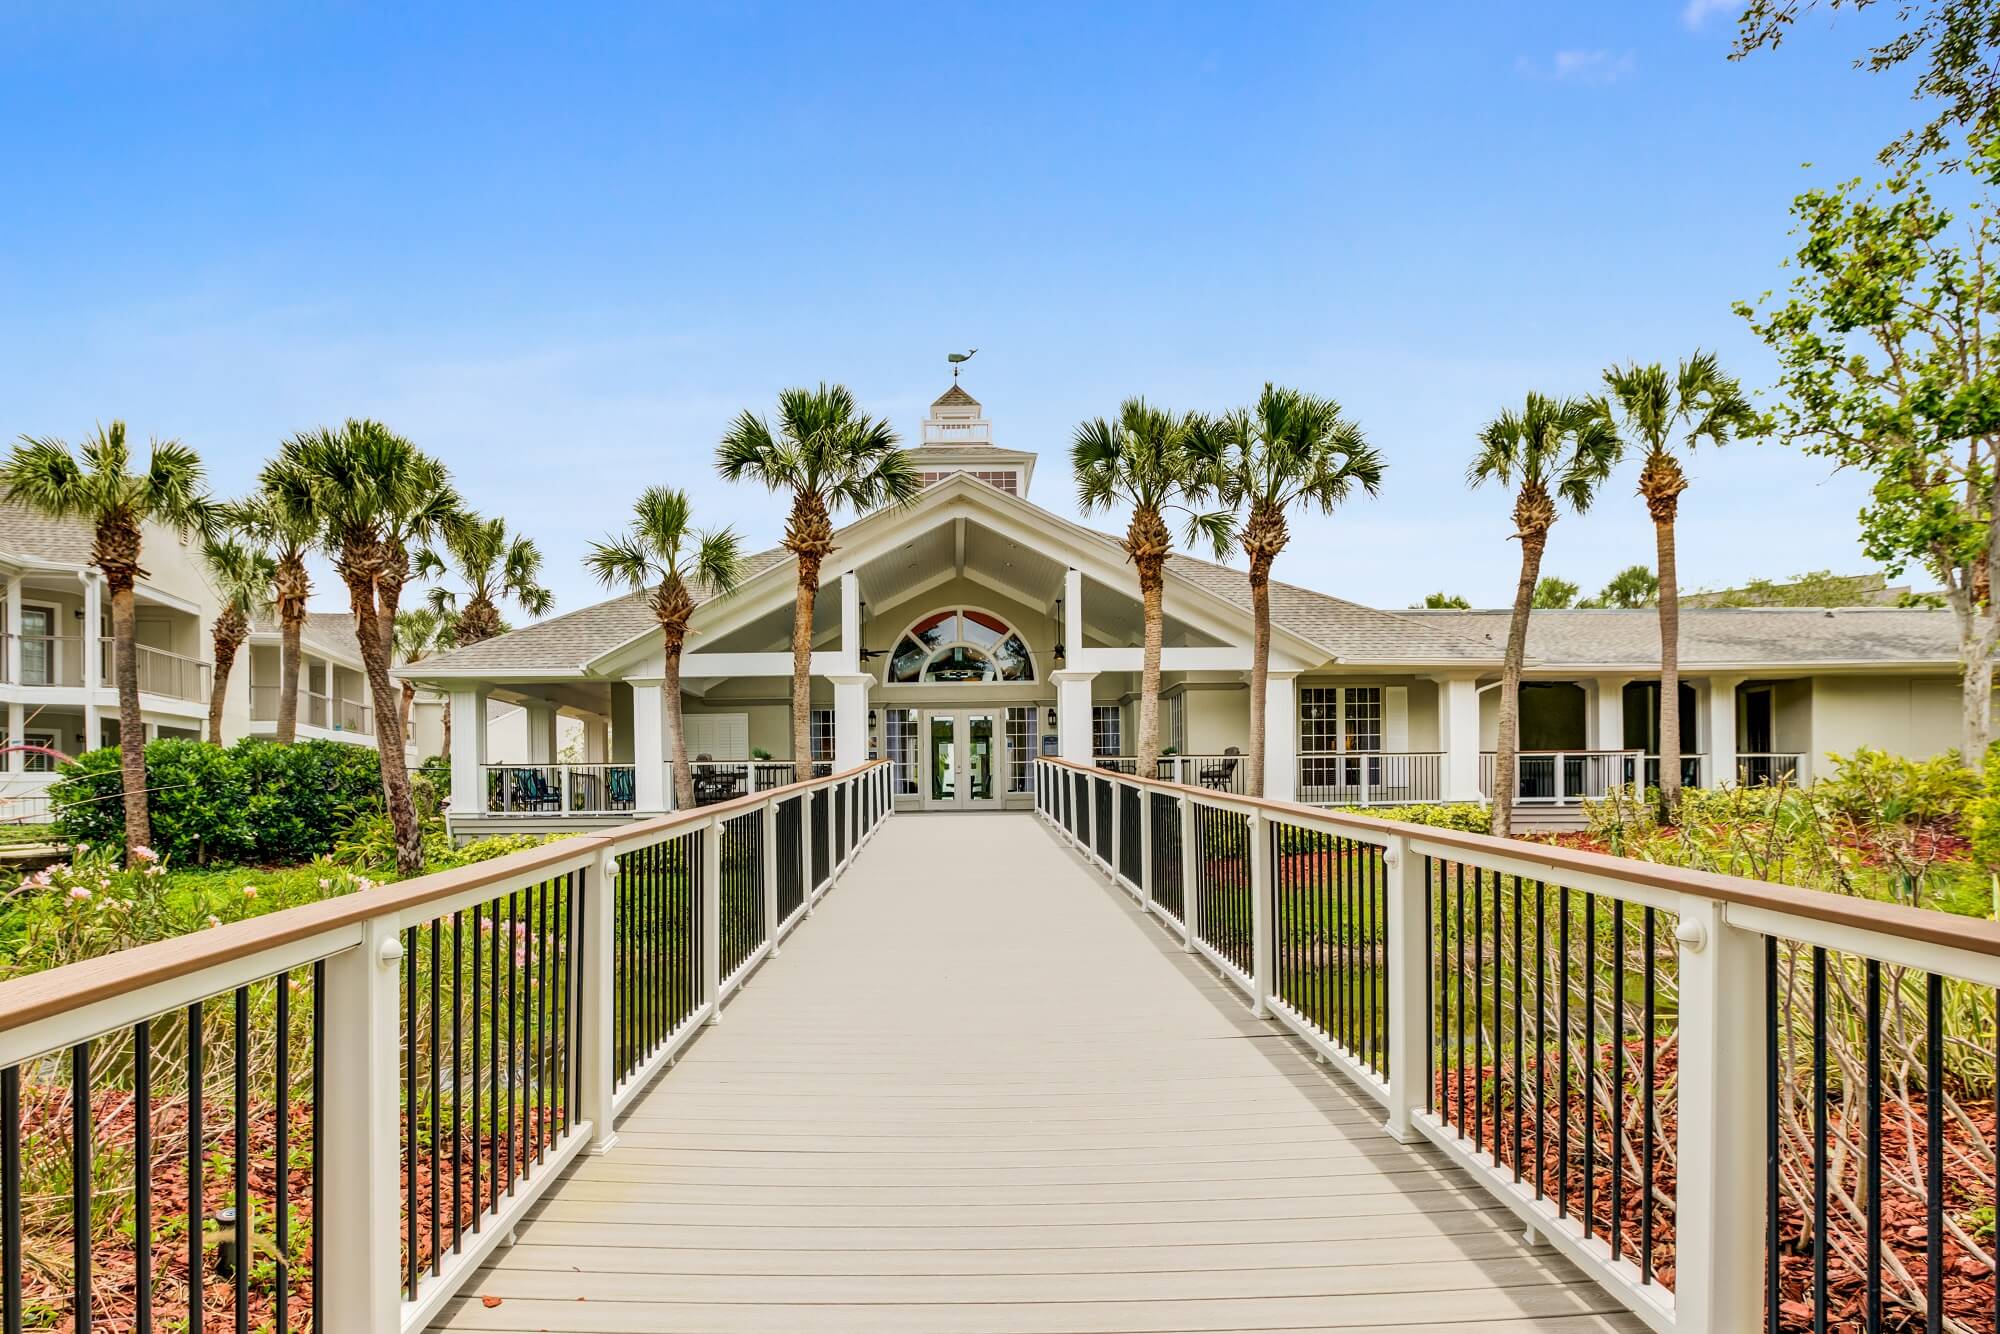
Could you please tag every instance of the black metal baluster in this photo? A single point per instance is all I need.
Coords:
(1478, 1008)
(10, 1208)
(1541, 1037)
(1822, 1251)
(241, 1150)
(1458, 1104)
(142, 1176)
(478, 1026)
(1518, 1030)
(1617, 1076)
(431, 1121)
(534, 1001)
(79, 1176)
(1433, 957)
(512, 1068)
(1589, 1059)
(493, 1118)
(1772, 1272)
(196, 1134)
(318, 1101)
(1933, 1149)
(1562, 1052)
(458, 1080)
(281, 1202)
(411, 1259)
(1372, 921)
(1647, 1107)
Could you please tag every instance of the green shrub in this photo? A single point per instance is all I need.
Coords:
(1471, 817)
(252, 802)
(1983, 814)
(1875, 786)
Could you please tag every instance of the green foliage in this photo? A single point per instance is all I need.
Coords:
(1631, 588)
(251, 802)
(1469, 817)
(1815, 588)
(1982, 814)
(1554, 594)
(1877, 786)
(1442, 601)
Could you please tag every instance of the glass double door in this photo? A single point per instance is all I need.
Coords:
(961, 759)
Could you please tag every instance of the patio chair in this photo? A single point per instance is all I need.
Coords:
(713, 785)
(1220, 776)
(620, 789)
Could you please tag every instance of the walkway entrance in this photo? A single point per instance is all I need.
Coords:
(962, 755)
(998, 1102)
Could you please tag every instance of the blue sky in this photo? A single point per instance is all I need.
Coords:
(562, 250)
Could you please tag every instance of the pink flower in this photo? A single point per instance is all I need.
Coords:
(249, 891)
(213, 920)
(79, 893)
(145, 854)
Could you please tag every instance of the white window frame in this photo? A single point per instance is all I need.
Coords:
(1099, 714)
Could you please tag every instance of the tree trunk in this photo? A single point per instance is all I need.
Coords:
(291, 622)
(1978, 704)
(131, 727)
(226, 638)
(1506, 748)
(677, 746)
(1152, 582)
(409, 705)
(802, 646)
(445, 726)
(1260, 666)
(1670, 674)
(388, 728)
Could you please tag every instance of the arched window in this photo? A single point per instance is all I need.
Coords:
(960, 644)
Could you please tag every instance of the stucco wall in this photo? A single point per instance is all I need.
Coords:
(1911, 715)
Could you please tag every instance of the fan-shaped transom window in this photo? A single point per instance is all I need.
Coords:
(960, 644)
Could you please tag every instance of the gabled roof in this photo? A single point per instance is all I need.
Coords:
(1348, 631)
(1718, 637)
(954, 397)
(331, 632)
(31, 535)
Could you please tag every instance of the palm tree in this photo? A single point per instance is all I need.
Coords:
(376, 496)
(1147, 459)
(1632, 587)
(273, 519)
(828, 455)
(241, 576)
(1552, 450)
(495, 567)
(91, 484)
(420, 632)
(666, 558)
(1292, 449)
(1657, 411)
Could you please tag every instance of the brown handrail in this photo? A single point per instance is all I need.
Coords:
(1927, 925)
(25, 1000)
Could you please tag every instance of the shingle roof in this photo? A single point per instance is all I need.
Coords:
(1348, 631)
(954, 397)
(1718, 636)
(26, 532)
(567, 642)
(332, 631)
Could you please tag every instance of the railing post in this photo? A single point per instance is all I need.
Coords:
(1089, 820)
(1407, 952)
(1260, 915)
(1145, 848)
(597, 972)
(360, 1152)
(711, 918)
(769, 872)
(806, 850)
(1117, 803)
(1187, 873)
(1719, 1201)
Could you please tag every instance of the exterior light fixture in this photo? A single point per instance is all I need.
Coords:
(1052, 717)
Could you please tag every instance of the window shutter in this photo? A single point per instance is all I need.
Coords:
(726, 736)
(1395, 718)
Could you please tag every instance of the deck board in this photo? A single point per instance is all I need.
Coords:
(976, 1095)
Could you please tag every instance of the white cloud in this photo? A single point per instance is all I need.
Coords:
(1696, 12)
(1593, 66)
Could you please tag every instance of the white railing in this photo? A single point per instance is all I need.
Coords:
(725, 780)
(1490, 995)
(1767, 768)
(173, 675)
(620, 947)
(1563, 777)
(1370, 778)
(558, 789)
(1226, 771)
(952, 432)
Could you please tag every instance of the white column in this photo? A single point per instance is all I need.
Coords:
(1458, 724)
(1281, 737)
(1610, 722)
(850, 623)
(93, 726)
(468, 752)
(1072, 628)
(595, 749)
(649, 761)
(1721, 731)
(540, 721)
(93, 620)
(14, 628)
(850, 721)
(1073, 712)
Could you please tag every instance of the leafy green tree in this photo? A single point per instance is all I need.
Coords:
(495, 566)
(91, 483)
(241, 576)
(1885, 344)
(663, 555)
(1554, 594)
(1145, 459)
(1292, 450)
(376, 497)
(420, 633)
(1553, 451)
(1958, 43)
(1659, 413)
(1815, 588)
(1633, 587)
(829, 456)
(273, 520)
(1441, 601)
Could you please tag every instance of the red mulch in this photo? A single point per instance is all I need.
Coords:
(49, 1281)
(1969, 1292)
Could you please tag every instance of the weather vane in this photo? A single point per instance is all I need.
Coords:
(958, 359)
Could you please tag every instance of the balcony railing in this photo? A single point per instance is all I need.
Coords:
(1666, 1075)
(1226, 772)
(1370, 778)
(1768, 769)
(59, 660)
(336, 715)
(559, 789)
(172, 675)
(726, 780)
(1563, 777)
(955, 432)
(472, 1031)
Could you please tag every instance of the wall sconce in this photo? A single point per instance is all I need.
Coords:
(871, 717)
(1052, 719)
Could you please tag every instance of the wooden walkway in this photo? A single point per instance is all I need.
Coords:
(976, 1093)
